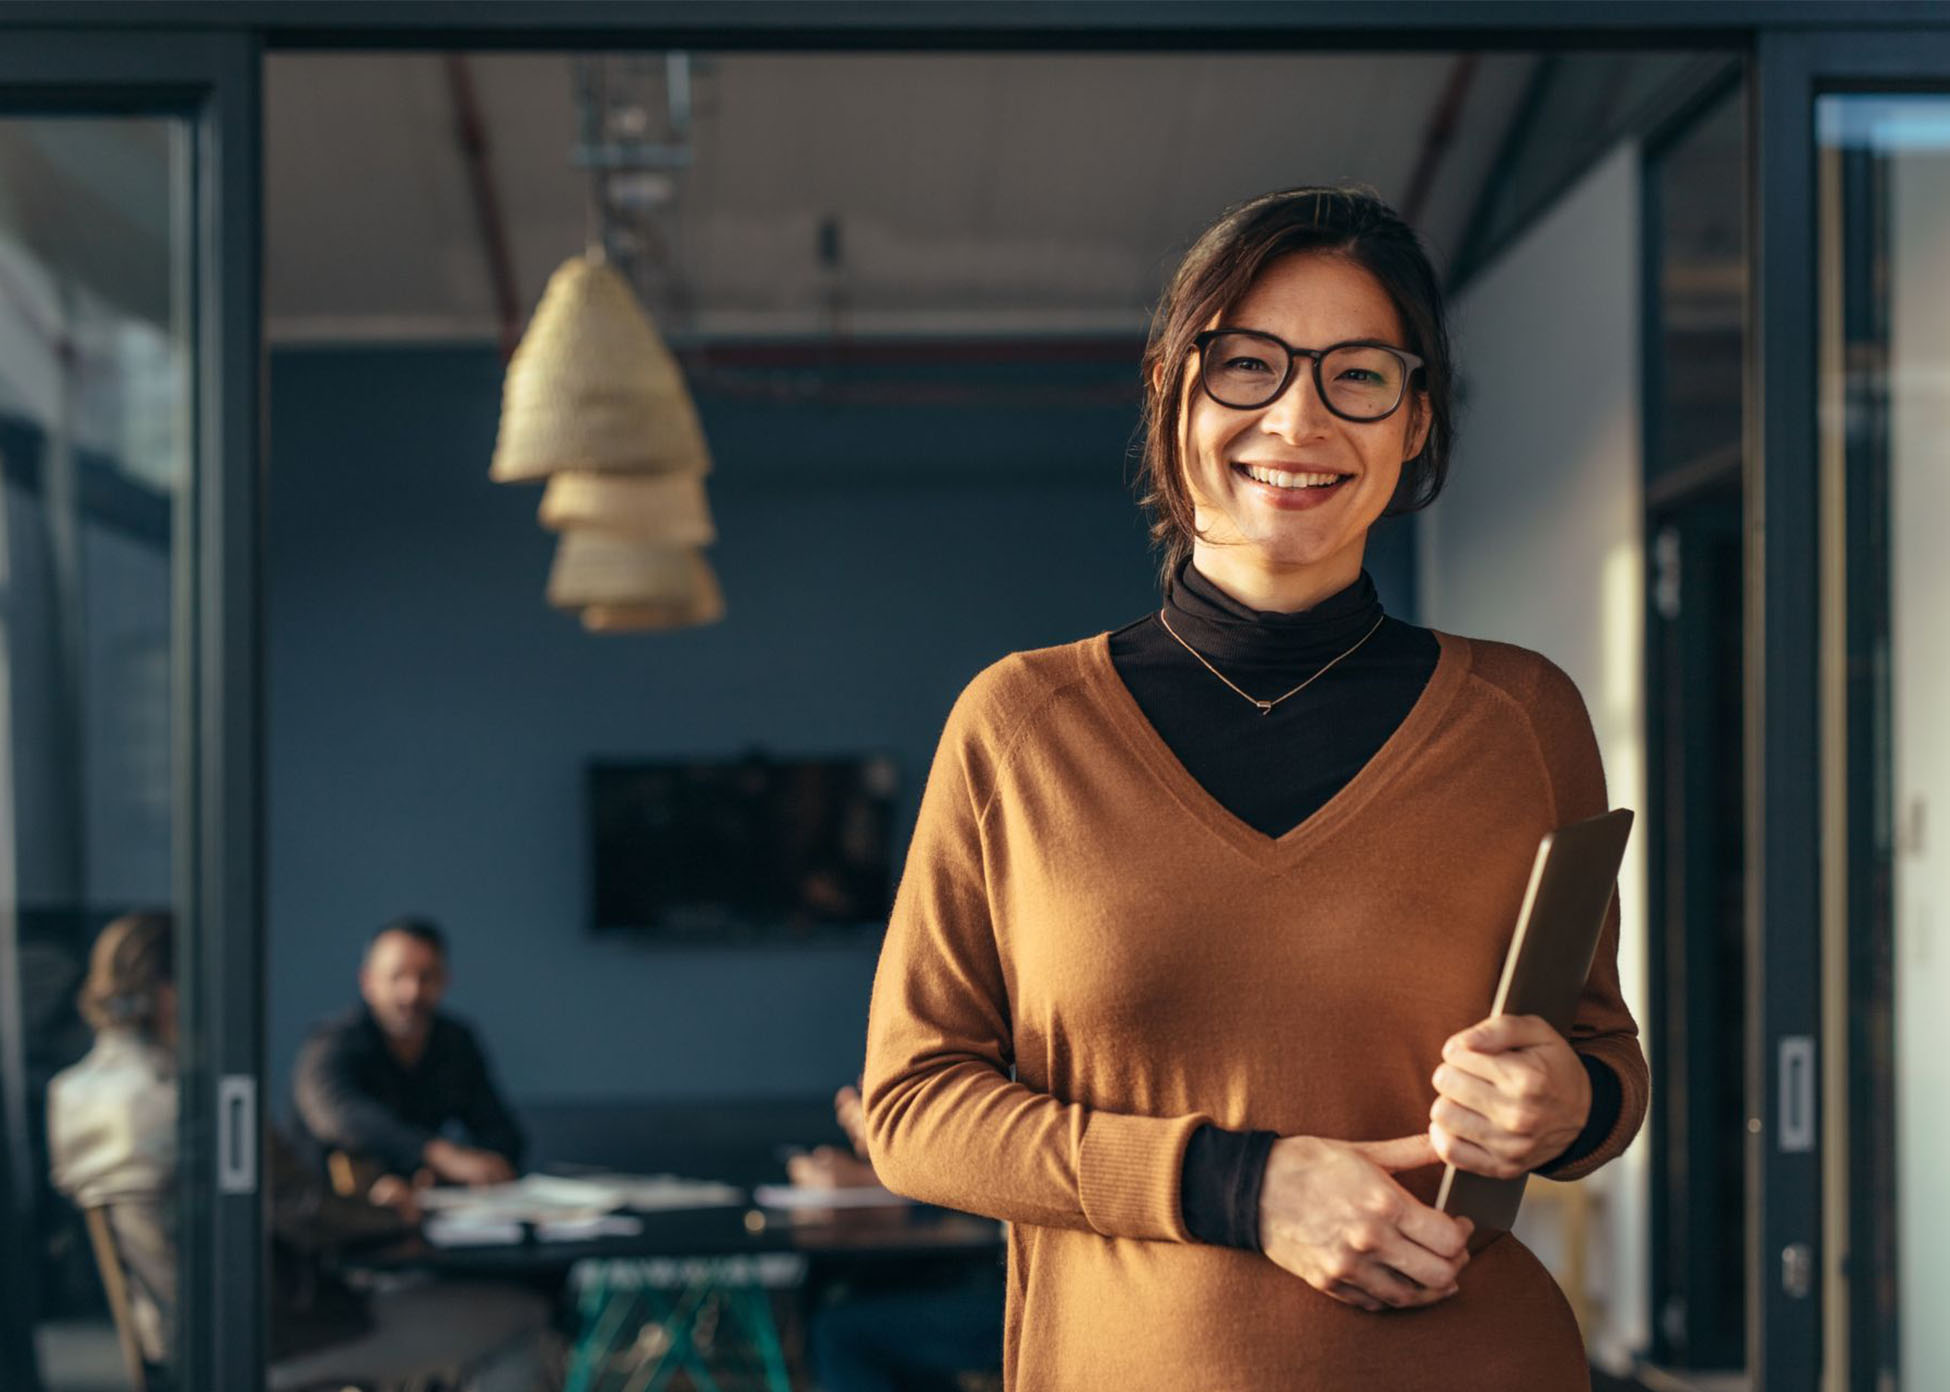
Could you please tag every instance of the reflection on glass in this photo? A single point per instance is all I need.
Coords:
(1696, 509)
(94, 429)
(1885, 427)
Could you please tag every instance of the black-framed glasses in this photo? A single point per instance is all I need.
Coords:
(1359, 381)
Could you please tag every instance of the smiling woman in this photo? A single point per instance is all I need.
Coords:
(1201, 917)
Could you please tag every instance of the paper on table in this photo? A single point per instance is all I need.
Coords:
(539, 1198)
(583, 1229)
(450, 1230)
(651, 1193)
(794, 1196)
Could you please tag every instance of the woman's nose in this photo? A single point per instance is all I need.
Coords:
(1298, 411)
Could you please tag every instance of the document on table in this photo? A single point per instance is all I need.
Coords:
(794, 1196)
(539, 1197)
(561, 1208)
(454, 1229)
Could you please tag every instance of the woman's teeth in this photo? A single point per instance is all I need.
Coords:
(1280, 479)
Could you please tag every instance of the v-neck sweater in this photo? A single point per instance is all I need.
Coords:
(1089, 958)
(1341, 676)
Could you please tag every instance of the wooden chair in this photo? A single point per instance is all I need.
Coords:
(115, 1281)
(352, 1175)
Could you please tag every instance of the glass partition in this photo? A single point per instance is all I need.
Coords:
(95, 429)
(1885, 416)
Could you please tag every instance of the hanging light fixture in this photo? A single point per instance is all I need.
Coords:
(592, 388)
(595, 404)
(670, 508)
(623, 584)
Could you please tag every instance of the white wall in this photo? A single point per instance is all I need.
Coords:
(1919, 509)
(1537, 541)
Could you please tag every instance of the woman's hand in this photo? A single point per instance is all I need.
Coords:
(1330, 1214)
(1511, 1096)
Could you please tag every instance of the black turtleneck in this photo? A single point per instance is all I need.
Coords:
(1275, 770)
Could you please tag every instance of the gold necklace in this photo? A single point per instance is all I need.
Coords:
(1265, 707)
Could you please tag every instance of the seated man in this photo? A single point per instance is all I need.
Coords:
(384, 1081)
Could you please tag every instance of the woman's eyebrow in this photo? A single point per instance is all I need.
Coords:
(1383, 339)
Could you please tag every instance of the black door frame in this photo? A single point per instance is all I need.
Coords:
(1794, 48)
(210, 81)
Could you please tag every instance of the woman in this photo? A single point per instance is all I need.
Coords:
(1186, 972)
(111, 1117)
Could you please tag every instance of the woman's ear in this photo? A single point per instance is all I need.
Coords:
(1418, 429)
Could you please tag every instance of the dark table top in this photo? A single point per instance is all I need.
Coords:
(853, 1234)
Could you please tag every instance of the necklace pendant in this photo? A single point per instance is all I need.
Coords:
(1265, 707)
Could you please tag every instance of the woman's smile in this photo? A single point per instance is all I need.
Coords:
(1292, 487)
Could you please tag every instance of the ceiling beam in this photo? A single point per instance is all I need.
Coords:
(470, 133)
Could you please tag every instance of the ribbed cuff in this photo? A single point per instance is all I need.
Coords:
(1607, 1101)
(1128, 1173)
(1220, 1186)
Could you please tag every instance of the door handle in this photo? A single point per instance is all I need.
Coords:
(237, 1134)
(1795, 1131)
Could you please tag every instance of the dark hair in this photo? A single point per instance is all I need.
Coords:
(1349, 221)
(133, 958)
(421, 930)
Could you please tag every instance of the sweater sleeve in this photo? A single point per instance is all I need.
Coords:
(947, 1121)
(1603, 1028)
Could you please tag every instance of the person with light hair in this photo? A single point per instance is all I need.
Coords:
(111, 1118)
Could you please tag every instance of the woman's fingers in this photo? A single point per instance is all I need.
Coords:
(1350, 1294)
(1414, 1262)
(1468, 1155)
(1508, 1075)
(1466, 1125)
(1467, 1090)
(1402, 1290)
(1401, 1153)
(1447, 1237)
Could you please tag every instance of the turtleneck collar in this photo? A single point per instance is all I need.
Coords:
(1227, 631)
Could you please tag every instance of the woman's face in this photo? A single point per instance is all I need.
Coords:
(1309, 300)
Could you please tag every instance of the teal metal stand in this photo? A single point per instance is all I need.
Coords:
(709, 1318)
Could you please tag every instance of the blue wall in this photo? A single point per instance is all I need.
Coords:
(429, 715)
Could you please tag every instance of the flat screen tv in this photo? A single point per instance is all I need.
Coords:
(754, 849)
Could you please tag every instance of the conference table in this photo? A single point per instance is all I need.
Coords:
(691, 1289)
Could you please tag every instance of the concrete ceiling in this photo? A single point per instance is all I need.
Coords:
(973, 194)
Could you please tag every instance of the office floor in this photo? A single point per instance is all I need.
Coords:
(80, 1356)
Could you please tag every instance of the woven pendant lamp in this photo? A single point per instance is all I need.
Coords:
(668, 508)
(623, 583)
(707, 607)
(593, 388)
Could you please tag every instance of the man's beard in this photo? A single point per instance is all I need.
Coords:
(406, 1024)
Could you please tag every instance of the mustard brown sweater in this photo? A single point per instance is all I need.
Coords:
(1090, 958)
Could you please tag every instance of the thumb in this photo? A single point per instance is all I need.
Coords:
(1402, 1153)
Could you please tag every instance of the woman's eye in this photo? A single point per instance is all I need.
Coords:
(1361, 374)
(1245, 365)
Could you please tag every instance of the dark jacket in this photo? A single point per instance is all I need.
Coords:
(353, 1095)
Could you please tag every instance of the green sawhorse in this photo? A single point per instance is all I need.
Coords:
(646, 1320)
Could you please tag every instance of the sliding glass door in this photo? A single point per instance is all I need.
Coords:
(128, 1174)
(1884, 206)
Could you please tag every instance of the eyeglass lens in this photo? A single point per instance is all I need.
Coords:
(1246, 371)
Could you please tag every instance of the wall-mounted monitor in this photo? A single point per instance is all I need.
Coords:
(756, 849)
